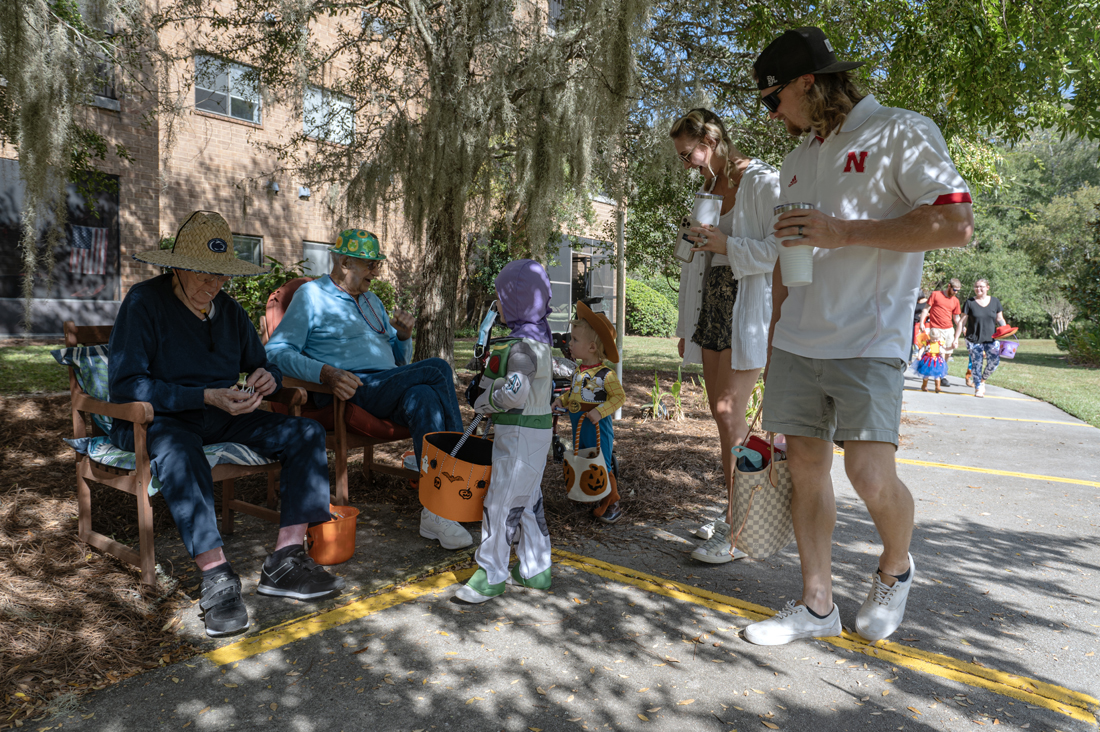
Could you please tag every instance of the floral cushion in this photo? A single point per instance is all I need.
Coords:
(100, 450)
(90, 366)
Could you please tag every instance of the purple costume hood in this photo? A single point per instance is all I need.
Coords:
(524, 291)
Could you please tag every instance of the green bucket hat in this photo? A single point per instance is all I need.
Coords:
(358, 243)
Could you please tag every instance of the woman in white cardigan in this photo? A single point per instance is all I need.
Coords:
(725, 292)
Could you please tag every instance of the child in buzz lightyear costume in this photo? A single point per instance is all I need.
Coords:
(515, 391)
(595, 394)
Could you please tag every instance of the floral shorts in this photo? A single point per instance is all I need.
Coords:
(714, 330)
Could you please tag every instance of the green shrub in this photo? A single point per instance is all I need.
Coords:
(648, 312)
(663, 286)
(1084, 291)
(1082, 340)
(252, 292)
(386, 292)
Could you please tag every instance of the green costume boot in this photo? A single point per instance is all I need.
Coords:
(477, 589)
(540, 581)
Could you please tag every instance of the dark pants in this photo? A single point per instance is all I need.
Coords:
(419, 396)
(175, 451)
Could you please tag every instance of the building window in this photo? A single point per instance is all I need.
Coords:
(227, 89)
(328, 116)
(554, 11)
(249, 248)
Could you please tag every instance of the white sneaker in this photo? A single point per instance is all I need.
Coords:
(882, 611)
(791, 623)
(449, 533)
(409, 462)
(979, 390)
(706, 531)
(716, 549)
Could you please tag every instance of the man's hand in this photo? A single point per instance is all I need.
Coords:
(343, 383)
(403, 323)
(232, 401)
(262, 380)
(594, 416)
(816, 229)
(680, 348)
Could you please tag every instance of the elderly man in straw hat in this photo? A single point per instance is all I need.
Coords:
(337, 332)
(180, 344)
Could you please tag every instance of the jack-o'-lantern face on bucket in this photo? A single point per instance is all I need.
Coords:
(594, 480)
(568, 474)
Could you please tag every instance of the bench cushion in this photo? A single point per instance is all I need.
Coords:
(100, 450)
(89, 363)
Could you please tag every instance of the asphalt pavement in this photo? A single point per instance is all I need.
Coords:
(1001, 627)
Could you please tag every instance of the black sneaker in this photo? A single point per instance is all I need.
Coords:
(224, 612)
(943, 381)
(299, 577)
(613, 513)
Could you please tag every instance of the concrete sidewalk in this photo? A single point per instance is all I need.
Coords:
(1001, 625)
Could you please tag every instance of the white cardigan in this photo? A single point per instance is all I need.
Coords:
(752, 250)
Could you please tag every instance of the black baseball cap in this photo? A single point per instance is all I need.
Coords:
(797, 52)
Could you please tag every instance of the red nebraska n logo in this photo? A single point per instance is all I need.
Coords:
(856, 161)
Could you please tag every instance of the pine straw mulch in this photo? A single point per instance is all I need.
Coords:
(73, 619)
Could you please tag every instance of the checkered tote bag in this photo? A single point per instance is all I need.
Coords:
(760, 507)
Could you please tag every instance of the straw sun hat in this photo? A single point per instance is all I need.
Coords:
(204, 243)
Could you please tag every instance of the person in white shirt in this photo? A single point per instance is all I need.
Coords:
(725, 291)
(885, 191)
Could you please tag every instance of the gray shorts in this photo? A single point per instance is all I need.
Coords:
(834, 399)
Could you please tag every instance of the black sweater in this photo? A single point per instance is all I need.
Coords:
(162, 354)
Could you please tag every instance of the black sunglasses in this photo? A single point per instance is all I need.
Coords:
(771, 101)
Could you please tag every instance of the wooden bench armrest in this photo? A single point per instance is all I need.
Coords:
(136, 412)
(290, 395)
(308, 386)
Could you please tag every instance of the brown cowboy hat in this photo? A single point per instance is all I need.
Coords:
(604, 329)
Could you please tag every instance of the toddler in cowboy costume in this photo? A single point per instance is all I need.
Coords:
(595, 394)
(515, 390)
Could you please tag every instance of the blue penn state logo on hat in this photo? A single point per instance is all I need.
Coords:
(218, 246)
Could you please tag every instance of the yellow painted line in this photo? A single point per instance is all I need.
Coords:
(989, 471)
(1008, 473)
(970, 394)
(1073, 704)
(1002, 419)
(299, 628)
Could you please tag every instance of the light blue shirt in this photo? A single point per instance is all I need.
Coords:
(323, 326)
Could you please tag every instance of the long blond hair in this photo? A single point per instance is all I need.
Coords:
(830, 100)
(703, 125)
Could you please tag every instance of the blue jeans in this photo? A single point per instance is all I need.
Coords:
(419, 396)
(978, 351)
(175, 445)
(588, 434)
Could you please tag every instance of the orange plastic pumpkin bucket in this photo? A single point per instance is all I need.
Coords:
(455, 487)
(333, 541)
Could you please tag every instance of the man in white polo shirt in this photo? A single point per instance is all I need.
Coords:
(885, 191)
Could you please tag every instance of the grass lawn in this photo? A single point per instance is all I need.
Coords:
(641, 354)
(1041, 370)
(29, 369)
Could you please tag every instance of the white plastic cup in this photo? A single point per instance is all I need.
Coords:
(706, 212)
(796, 262)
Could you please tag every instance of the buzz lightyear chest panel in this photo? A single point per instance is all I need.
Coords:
(496, 366)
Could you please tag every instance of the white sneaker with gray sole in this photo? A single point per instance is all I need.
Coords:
(792, 623)
(449, 533)
(716, 549)
(883, 610)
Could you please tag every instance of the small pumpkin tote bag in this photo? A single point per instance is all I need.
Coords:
(586, 474)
